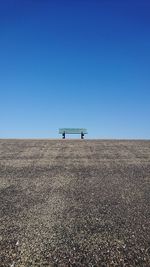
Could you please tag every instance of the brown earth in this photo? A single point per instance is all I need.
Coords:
(74, 203)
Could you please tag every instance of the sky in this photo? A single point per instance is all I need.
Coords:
(78, 64)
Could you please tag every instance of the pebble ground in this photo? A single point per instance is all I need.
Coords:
(74, 203)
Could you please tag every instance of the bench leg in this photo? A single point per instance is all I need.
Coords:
(82, 135)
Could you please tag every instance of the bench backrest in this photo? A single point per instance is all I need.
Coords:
(73, 130)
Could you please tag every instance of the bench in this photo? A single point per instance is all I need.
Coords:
(65, 131)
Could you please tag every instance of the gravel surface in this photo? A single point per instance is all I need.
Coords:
(74, 203)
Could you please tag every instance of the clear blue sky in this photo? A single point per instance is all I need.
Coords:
(75, 63)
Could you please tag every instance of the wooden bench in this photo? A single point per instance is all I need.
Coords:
(80, 131)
